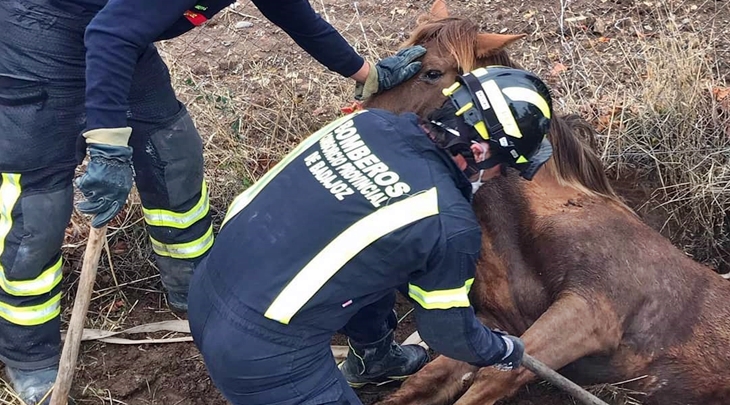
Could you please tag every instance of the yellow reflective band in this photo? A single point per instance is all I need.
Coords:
(451, 89)
(180, 220)
(34, 315)
(528, 96)
(501, 109)
(40, 285)
(245, 198)
(189, 250)
(465, 108)
(482, 129)
(346, 246)
(9, 195)
(442, 299)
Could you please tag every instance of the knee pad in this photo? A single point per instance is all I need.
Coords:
(169, 164)
(44, 219)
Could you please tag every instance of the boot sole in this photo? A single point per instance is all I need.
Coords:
(390, 379)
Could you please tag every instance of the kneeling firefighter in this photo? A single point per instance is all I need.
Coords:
(369, 204)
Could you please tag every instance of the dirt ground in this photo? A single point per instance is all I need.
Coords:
(240, 58)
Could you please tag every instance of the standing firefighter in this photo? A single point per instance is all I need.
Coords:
(89, 66)
(371, 203)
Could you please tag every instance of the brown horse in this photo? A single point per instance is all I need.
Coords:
(566, 265)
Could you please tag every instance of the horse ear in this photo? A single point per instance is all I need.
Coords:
(489, 44)
(437, 12)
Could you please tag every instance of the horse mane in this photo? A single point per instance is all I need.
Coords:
(458, 36)
(574, 163)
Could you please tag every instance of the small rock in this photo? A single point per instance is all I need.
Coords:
(243, 24)
(599, 26)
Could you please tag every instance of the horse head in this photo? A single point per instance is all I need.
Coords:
(455, 45)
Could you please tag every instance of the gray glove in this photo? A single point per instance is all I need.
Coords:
(513, 353)
(108, 178)
(390, 72)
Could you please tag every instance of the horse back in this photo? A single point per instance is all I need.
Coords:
(674, 312)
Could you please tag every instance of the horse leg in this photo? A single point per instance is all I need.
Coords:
(570, 329)
(440, 382)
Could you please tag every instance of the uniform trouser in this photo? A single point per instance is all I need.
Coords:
(42, 80)
(253, 360)
(256, 361)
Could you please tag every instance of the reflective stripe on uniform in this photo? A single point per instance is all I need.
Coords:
(40, 285)
(346, 246)
(180, 220)
(245, 198)
(188, 250)
(442, 299)
(33, 315)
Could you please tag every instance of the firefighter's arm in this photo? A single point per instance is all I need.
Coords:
(445, 318)
(115, 38)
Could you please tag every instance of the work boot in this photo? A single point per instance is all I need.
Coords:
(381, 362)
(175, 275)
(33, 387)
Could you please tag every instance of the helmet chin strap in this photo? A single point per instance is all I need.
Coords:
(458, 144)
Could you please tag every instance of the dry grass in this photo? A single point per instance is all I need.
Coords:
(660, 119)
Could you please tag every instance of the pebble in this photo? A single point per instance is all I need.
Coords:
(243, 24)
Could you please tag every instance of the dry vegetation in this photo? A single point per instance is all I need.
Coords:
(664, 116)
(650, 76)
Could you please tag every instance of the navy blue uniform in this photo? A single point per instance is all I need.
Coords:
(71, 65)
(359, 209)
(122, 29)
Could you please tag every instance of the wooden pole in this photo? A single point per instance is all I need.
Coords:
(71, 346)
(554, 378)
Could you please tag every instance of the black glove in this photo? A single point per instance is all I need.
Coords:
(106, 183)
(512, 357)
(390, 72)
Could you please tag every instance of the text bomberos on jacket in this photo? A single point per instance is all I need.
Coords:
(345, 164)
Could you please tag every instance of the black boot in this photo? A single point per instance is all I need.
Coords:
(175, 275)
(381, 362)
(34, 387)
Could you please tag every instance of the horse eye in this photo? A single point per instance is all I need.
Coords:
(433, 75)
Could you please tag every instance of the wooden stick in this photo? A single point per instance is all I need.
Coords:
(71, 347)
(554, 378)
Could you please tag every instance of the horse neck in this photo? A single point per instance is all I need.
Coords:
(504, 214)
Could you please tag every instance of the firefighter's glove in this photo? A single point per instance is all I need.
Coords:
(108, 178)
(514, 350)
(390, 72)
